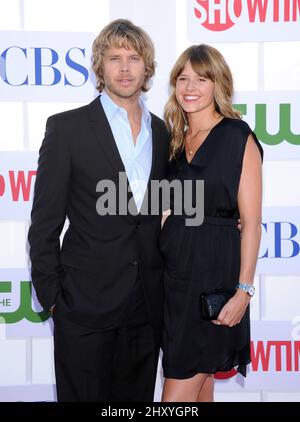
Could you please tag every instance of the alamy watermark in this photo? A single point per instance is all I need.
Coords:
(186, 197)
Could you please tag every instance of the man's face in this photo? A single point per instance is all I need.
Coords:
(123, 72)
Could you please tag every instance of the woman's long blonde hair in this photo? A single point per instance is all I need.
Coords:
(209, 63)
(122, 33)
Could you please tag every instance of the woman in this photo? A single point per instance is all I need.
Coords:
(209, 142)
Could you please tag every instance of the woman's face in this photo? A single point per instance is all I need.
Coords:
(194, 93)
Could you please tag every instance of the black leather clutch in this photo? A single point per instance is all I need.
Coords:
(212, 302)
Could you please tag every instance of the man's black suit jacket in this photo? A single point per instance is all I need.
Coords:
(91, 276)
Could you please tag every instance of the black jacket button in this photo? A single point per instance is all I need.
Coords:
(134, 263)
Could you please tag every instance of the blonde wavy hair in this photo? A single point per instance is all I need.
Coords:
(122, 33)
(209, 63)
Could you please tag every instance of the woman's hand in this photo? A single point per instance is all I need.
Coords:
(165, 215)
(232, 313)
(51, 310)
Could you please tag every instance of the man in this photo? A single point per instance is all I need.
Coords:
(104, 286)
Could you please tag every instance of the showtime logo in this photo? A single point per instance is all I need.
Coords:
(220, 15)
(17, 178)
(263, 18)
(19, 184)
(271, 356)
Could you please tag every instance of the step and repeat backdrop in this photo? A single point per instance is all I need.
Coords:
(45, 67)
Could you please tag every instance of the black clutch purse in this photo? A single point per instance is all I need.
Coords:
(212, 302)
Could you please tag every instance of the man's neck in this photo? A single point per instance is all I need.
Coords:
(130, 104)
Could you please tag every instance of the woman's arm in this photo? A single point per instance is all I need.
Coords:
(250, 204)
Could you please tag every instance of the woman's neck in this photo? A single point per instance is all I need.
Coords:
(202, 120)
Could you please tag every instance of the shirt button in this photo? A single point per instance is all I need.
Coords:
(134, 263)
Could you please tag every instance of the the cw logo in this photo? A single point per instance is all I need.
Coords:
(284, 133)
(25, 310)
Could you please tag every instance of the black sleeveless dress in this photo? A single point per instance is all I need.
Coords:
(205, 257)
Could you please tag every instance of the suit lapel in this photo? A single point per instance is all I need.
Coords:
(146, 205)
(104, 135)
(155, 140)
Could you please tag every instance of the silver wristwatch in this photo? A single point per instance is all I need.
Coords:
(248, 288)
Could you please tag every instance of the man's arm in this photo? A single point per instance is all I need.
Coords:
(49, 212)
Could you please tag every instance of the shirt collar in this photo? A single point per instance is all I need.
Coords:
(146, 116)
(111, 108)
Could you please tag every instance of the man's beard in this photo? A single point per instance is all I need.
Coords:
(123, 93)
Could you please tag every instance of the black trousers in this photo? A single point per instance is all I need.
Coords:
(118, 364)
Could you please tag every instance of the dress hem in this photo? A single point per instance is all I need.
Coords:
(241, 368)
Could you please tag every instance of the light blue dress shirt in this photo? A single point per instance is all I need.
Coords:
(137, 158)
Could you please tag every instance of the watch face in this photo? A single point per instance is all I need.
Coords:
(251, 291)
